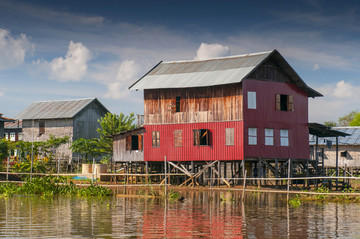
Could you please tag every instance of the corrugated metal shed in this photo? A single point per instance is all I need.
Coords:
(212, 72)
(352, 139)
(57, 109)
(13, 125)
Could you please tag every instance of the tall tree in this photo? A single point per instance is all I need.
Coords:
(110, 125)
(356, 120)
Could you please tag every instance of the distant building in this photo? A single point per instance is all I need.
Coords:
(349, 148)
(13, 130)
(73, 118)
(3, 120)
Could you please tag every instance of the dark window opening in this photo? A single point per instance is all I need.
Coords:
(344, 154)
(284, 102)
(178, 104)
(134, 142)
(41, 127)
(201, 137)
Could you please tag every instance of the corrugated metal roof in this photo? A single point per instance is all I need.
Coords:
(55, 109)
(212, 72)
(13, 125)
(352, 139)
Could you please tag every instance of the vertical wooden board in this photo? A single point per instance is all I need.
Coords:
(140, 142)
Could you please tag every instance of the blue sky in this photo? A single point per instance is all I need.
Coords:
(52, 50)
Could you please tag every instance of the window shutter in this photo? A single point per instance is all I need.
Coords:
(173, 106)
(153, 138)
(196, 137)
(229, 136)
(290, 103)
(178, 138)
(140, 140)
(158, 138)
(128, 142)
(207, 136)
(278, 108)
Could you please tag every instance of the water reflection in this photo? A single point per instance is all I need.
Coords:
(201, 214)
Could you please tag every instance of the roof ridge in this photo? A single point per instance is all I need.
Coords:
(90, 98)
(222, 57)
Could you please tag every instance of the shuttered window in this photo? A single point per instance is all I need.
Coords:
(134, 142)
(177, 108)
(229, 136)
(156, 138)
(178, 138)
(201, 137)
(284, 102)
(252, 136)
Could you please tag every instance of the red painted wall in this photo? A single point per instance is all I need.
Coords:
(188, 152)
(266, 116)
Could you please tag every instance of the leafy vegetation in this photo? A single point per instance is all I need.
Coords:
(295, 202)
(50, 186)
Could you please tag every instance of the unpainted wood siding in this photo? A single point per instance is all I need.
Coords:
(121, 154)
(202, 104)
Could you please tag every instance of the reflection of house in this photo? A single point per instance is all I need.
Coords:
(3, 121)
(228, 109)
(73, 118)
(13, 130)
(349, 148)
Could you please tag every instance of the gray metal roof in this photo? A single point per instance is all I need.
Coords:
(212, 72)
(56, 109)
(352, 139)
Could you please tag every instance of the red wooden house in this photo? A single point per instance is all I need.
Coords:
(249, 107)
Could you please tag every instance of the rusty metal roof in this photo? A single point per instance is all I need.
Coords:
(212, 72)
(13, 125)
(56, 109)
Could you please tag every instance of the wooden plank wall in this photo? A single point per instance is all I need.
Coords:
(270, 71)
(120, 154)
(202, 104)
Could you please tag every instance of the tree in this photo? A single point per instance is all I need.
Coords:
(86, 147)
(356, 120)
(4, 149)
(112, 124)
(346, 119)
(330, 123)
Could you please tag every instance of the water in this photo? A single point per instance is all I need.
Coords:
(201, 215)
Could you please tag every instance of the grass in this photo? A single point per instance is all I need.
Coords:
(51, 186)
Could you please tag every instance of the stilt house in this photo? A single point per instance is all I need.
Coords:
(230, 108)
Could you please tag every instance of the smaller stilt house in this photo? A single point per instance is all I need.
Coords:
(13, 130)
(3, 120)
(128, 146)
(74, 118)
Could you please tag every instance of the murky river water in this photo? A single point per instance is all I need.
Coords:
(199, 215)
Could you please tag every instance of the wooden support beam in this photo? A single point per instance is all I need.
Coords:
(200, 172)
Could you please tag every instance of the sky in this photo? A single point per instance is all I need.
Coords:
(56, 50)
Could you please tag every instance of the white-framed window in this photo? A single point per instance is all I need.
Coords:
(12, 136)
(284, 137)
(252, 133)
(269, 136)
(20, 136)
(251, 98)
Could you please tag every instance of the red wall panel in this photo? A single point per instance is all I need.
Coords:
(266, 116)
(188, 152)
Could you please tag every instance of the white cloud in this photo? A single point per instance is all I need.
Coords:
(13, 49)
(206, 51)
(316, 67)
(117, 77)
(2, 94)
(72, 67)
(339, 99)
(343, 90)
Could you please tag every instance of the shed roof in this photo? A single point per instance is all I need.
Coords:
(13, 125)
(351, 137)
(212, 72)
(56, 109)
